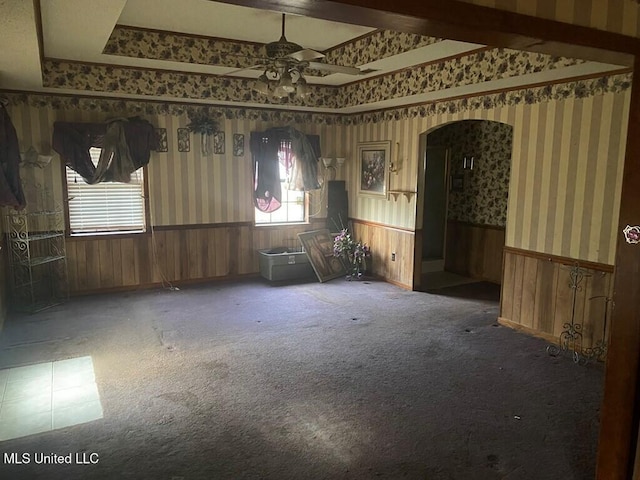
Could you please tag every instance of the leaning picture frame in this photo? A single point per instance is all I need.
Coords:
(374, 159)
(318, 245)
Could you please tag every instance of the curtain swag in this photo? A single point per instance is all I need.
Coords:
(125, 143)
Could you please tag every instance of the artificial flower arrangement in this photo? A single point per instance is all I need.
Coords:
(353, 254)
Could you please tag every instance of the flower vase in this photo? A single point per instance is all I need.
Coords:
(355, 272)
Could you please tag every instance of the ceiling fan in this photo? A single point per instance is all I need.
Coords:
(284, 65)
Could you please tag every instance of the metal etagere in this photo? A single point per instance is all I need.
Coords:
(37, 253)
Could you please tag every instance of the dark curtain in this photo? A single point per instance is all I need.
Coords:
(126, 145)
(266, 170)
(11, 193)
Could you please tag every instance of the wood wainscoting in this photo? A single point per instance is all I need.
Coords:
(385, 240)
(537, 297)
(474, 250)
(177, 254)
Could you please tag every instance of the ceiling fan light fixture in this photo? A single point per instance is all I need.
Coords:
(262, 84)
(286, 83)
(302, 90)
(280, 92)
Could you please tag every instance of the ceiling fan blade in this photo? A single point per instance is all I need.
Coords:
(327, 67)
(306, 55)
(252, 67)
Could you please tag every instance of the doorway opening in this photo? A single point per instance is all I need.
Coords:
(464, 178)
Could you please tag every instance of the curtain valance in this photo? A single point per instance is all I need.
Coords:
(125, 142)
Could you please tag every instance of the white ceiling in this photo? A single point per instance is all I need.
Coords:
(79, 29)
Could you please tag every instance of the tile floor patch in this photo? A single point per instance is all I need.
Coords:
(46, 396)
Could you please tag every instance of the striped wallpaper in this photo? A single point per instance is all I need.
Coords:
(565, 180)
(185, 188)
(563, 196)
(618, 16)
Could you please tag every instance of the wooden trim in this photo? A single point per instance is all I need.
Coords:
(529, 331)
(477, 225)
(381, 225)
(196, 226)
(601, 267)
(106, 236)
(397, 284)
(620, 413)
(191, 226)
(37, 13)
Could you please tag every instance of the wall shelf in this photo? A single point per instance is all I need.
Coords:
(408, 194)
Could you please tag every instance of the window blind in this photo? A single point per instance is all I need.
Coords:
(105, 207)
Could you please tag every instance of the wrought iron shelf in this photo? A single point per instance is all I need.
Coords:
(41, 260)
(36, 251)
(38, 236)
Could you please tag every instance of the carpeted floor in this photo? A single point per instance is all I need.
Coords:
(343, 380)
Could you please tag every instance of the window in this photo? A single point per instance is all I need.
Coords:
(106, 207)
(294, 203)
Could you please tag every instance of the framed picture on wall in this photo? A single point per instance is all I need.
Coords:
(373, 168)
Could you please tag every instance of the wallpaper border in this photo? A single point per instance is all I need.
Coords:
(576, 89)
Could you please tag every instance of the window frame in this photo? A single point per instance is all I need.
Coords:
(106, 234)
(305, 202)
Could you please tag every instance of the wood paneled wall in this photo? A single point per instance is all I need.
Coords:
(384, 240)
(536, 296)
(179, 255)
(475, 250)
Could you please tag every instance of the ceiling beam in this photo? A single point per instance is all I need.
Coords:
(462, 21)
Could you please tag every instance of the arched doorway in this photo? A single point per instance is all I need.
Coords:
(462, 207)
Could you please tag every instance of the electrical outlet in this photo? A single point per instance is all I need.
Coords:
(393, 256)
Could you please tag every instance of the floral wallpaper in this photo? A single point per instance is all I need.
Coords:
(466, 70)
(482, 199)
(493, 64)
(139, 81)
(177, 47)
(579, 89)
(376, 46)
(141, 43)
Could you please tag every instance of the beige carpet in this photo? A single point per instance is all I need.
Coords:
(341, 380)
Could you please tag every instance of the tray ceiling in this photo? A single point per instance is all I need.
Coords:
(192, 51)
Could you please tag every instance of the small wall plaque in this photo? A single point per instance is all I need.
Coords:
(161, 135)
(238, 145)
(218, 143)
(184, 140)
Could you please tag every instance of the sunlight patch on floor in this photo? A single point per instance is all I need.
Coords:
(47, 396)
